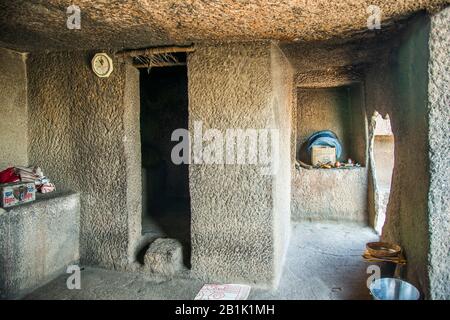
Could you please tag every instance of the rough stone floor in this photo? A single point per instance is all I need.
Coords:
(324, 262)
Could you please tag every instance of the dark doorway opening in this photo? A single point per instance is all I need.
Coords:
(165, 186)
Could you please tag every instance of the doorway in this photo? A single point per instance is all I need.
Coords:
(383, 152)
(165, 186)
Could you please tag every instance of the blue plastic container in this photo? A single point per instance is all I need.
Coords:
(324, 138)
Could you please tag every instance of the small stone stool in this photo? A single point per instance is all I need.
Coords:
(164, 256)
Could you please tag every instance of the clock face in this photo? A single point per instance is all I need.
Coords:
(102, 65)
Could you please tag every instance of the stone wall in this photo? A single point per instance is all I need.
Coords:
(397, 84)
(84, 132)
(239, 215)
(438, 155)
(91, 144)
(13, 106)
(330, 194)
(283, 94)
(37, 242)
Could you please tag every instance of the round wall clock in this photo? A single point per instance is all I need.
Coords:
(102, 65)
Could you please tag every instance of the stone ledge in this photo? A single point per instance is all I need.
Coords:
(37, 241)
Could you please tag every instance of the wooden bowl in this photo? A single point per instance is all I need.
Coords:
(383, 249)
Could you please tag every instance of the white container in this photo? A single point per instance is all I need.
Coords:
(323, 155)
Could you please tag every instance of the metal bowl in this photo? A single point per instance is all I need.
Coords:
(393, 289)
(383, 249)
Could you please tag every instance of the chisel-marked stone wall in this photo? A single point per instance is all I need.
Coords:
(13, 107)
(84, 133)
(411, 83)
(240, 217)
(439, 139)
(37, 242)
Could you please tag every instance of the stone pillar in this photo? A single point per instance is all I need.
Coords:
(240, 217)
(439, 150)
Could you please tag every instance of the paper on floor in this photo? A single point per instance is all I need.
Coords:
(223, 292)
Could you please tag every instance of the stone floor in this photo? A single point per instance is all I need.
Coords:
(324, 262)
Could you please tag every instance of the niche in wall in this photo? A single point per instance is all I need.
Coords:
(331, 194)
(339, 109)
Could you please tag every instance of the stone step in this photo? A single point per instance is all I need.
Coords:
(164, 256)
